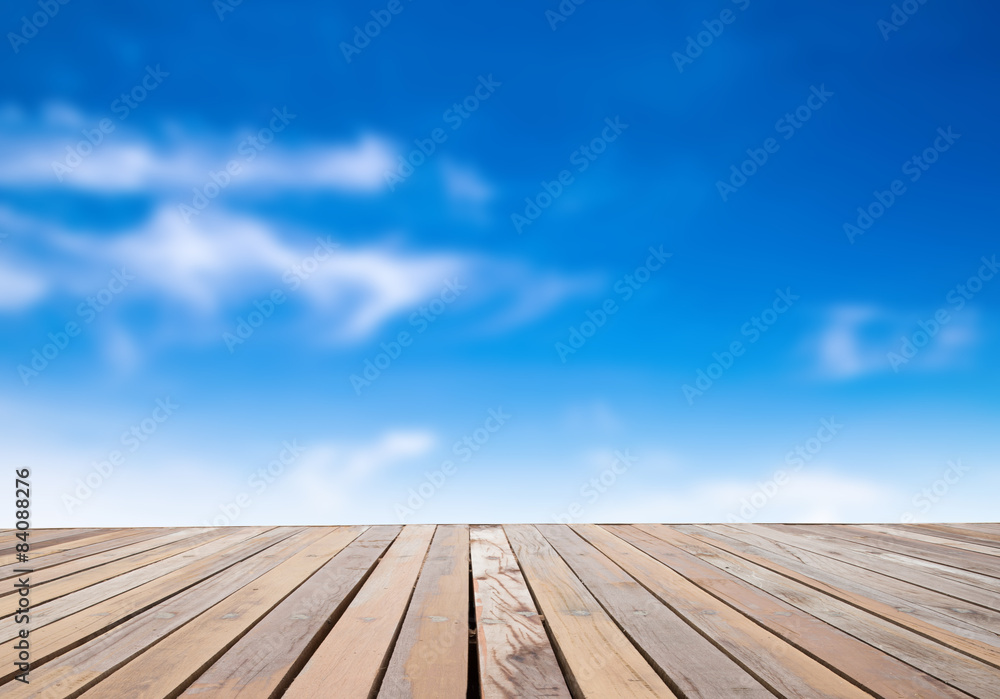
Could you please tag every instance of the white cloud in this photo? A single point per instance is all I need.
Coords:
(204, 273)
(216, 267)
(815, 496)
(465, 184)
(20, 288)
(856, 340)
(390, 448)
(531, 294)
(330, 477)
(225, 260)
(121, 349)
(327, 483)
(127, 161)
(842, 353)
(357, 167)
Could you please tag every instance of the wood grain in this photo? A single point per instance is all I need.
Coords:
(85, 665)
(101, 589)
(183, 655)
(76, 628)
(263, 662)
(899, 567)
(693, 611)
(886, 606)
(905, 533)
(430, 659)
(780, 666)
(964, 560)
(361, 641)
(843, 637)
(597, 658)
(46, 590)
(64, 563)
(690, 664)
(515, 656)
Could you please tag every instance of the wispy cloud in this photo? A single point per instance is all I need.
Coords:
(330, 474)
(218, 265)
(128, 161)
(855, 340)
(322, 484)
(818, 496)
(19, 288)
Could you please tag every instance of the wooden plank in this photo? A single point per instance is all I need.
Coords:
(182, 656)
(132, 570)
(44, 544)
(789, 610)
(930, 539)
(786, 670)
(886, 606)
(886, 659)
(265, 660)
(88, 570)
(969, 619)
(949, 535)
(985, 538)
(430, 659)
(81, 599)
(515, 657)
(87, 556)
(71, 631)
(984, 530)
(689, 663)
(85, 665)
(597, 658)
(41, 557)
(963, 560)
(904, 561)
(42, 538)
(887, 565)
(359, 644)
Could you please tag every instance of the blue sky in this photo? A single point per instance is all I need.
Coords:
(711, 261)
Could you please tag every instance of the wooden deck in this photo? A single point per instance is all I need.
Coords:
(509, 611)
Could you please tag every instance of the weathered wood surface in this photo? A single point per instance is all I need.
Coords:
(548, 610)
(514, 654)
